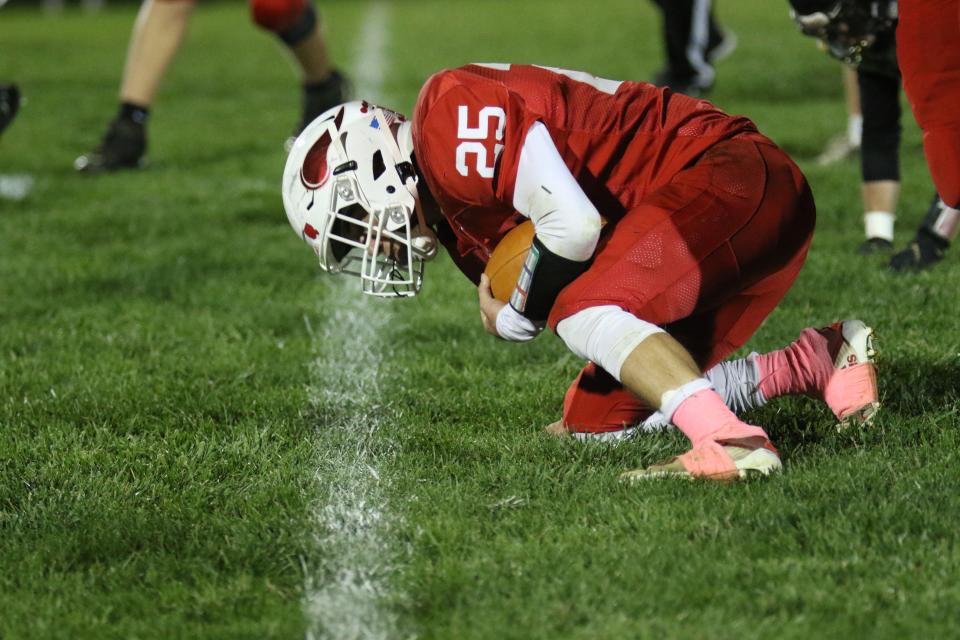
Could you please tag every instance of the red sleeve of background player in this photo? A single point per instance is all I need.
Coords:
(928, 50)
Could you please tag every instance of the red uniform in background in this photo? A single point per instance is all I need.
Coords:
(708, 221)
(277, 15)
(928, 50)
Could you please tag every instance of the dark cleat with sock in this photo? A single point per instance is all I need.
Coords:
(873, 246)
(923, 252)
(122, 147)
(320, 96)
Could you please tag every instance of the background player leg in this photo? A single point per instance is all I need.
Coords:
(157, 35)
(9, 104)
(297, 25)
(846, 144)
(927, 37)
(880, 156)
(693, 42)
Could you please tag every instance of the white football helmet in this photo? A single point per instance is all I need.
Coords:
(350, 191)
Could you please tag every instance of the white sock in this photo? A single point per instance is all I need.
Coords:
(854, 129)
(737, 382)
(879, 224)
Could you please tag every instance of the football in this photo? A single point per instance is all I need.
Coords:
(506, 261)
(503, 267)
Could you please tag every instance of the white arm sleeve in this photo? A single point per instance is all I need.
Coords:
(565, 220)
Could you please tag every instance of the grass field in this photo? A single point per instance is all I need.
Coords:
(201, 437)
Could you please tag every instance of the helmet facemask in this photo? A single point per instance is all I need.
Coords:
(358, 240)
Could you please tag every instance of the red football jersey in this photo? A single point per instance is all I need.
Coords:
(620, 140)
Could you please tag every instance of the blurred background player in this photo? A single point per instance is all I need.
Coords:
(9, 99)
(9, 103)
(861, 34)
(693, 42)
(929, 36)
(157, 36)
(928, 39)
(929, 246)
(846, 144)
(12, 187)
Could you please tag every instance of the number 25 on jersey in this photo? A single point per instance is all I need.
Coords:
(473, 139)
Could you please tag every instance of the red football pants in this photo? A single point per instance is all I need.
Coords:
(928, 50)
(707, 257)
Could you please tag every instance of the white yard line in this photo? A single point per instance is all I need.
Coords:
(346, 588)
(370, 65)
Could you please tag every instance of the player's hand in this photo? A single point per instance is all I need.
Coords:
(489, 306)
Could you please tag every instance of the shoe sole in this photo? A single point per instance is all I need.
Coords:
(836, 151)
(858, 349)
(83, 166)
(756, 464)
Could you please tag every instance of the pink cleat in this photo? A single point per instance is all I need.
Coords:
(834, 364)
(851, 392)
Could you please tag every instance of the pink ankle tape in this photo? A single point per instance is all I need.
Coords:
(704, 417)
(710, 460)
(851, 389)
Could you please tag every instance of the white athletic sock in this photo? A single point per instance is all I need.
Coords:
(854, 129)
(879, 224)
(737, 383)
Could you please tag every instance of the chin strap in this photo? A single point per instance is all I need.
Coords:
(426, 241)
(425, 244)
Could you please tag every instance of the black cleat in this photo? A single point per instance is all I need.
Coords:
(9, 104)
(923, 252)
(123, 147)
(321, 96)
(875, 245)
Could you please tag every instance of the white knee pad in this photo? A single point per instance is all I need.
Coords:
(605, 335)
